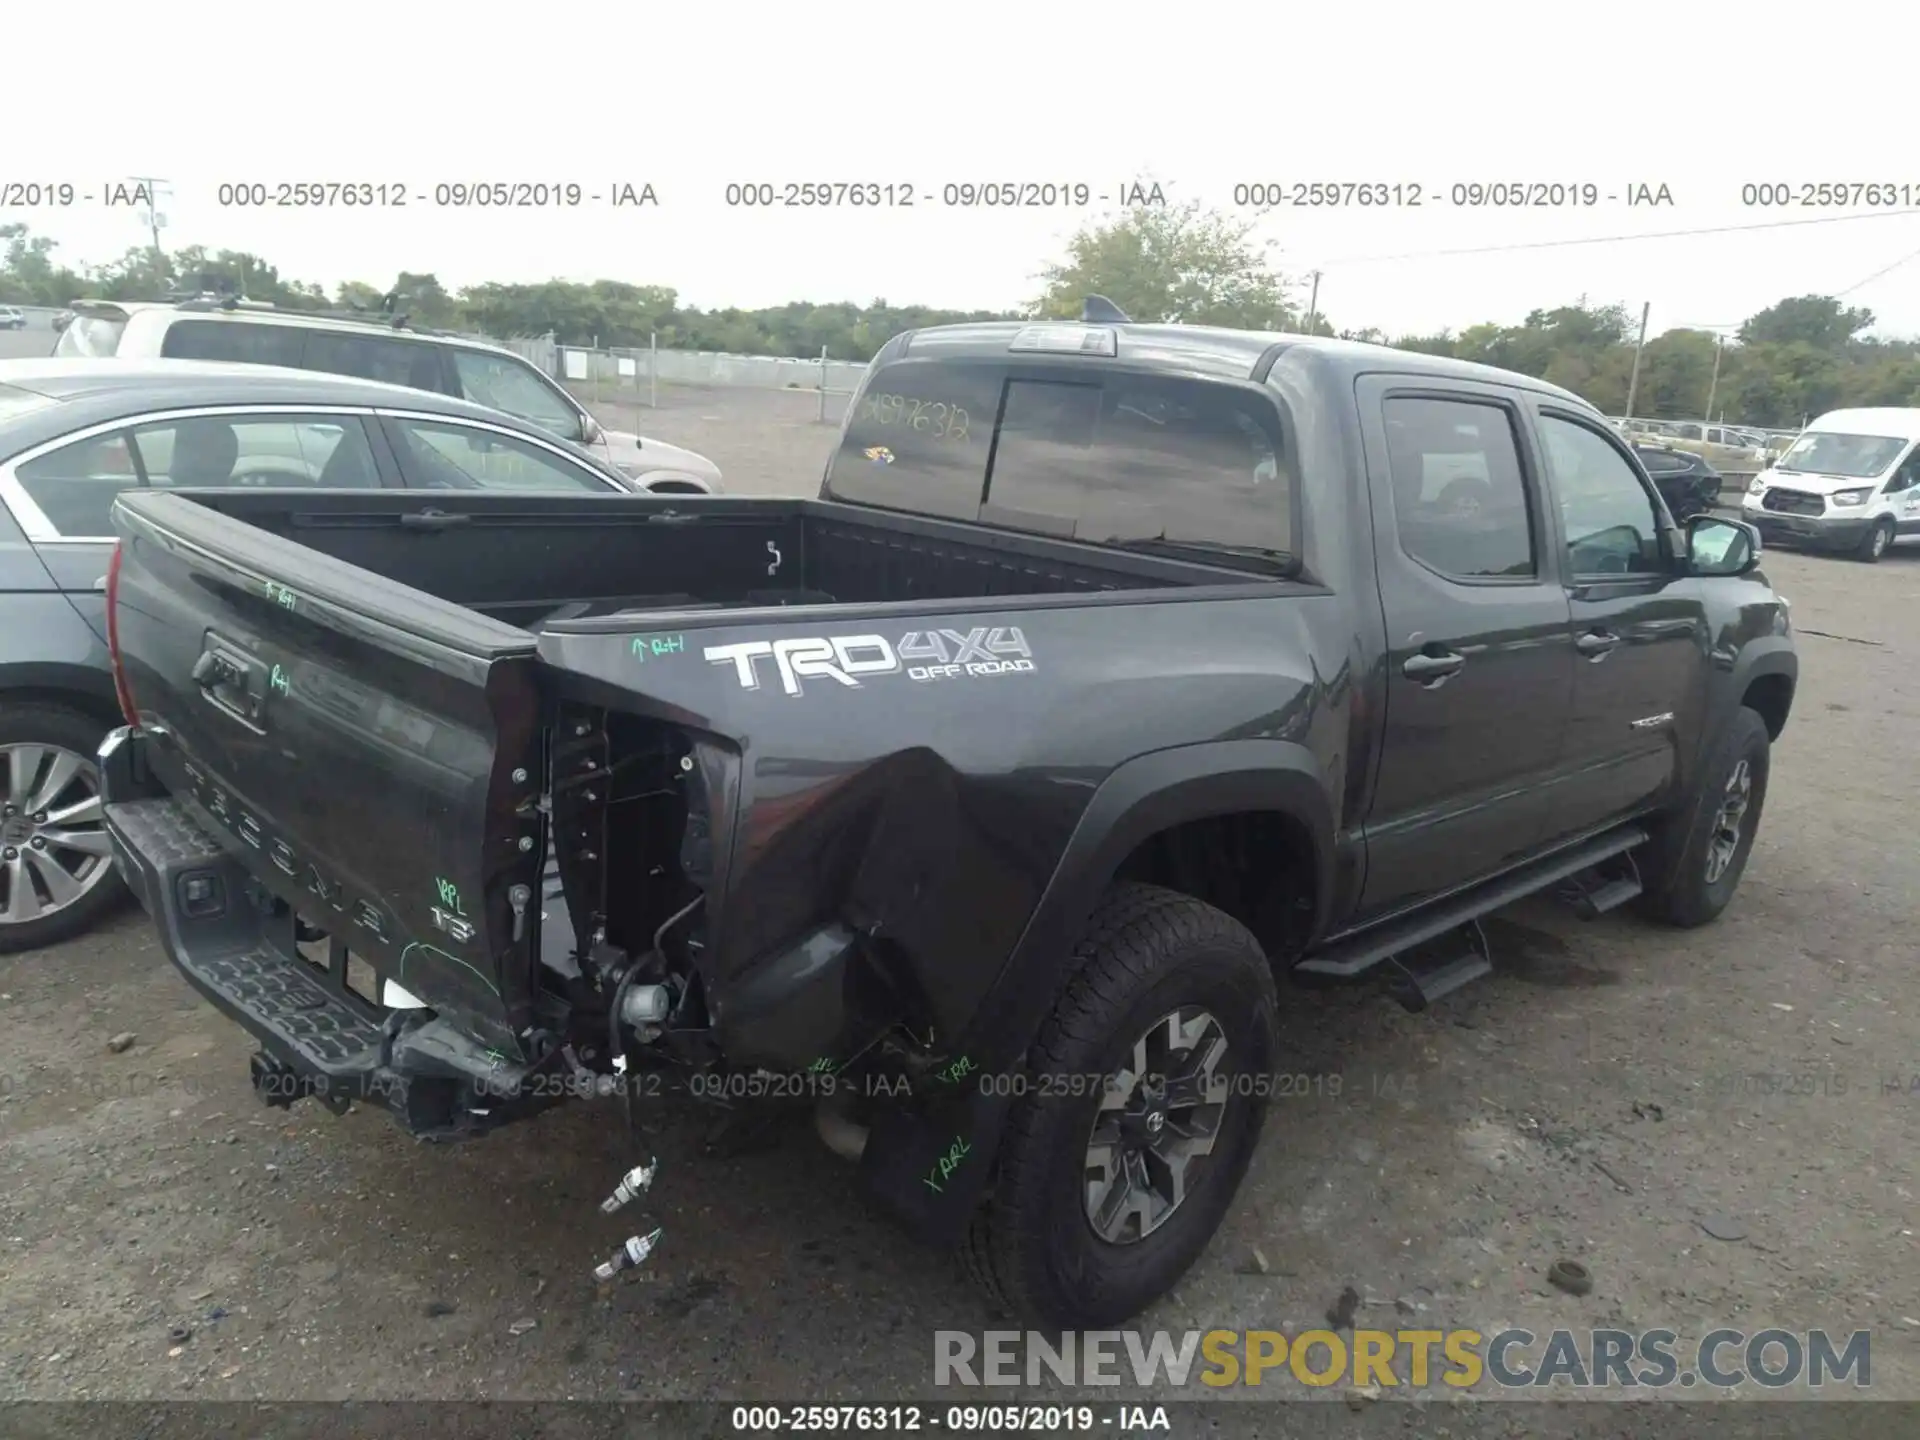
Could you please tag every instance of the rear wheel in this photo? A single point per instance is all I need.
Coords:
(56, 863)
(1142, 1109)
(1878, 540)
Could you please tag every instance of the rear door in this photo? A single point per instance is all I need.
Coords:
(1479, 666)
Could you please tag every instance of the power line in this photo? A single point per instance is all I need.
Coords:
(1646, 235)
(1883, 270)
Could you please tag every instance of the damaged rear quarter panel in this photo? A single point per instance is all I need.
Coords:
(917, 778)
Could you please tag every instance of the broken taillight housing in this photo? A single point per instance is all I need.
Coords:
(120, 687)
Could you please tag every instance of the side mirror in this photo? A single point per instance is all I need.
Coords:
(1717, 546)
(590, 431)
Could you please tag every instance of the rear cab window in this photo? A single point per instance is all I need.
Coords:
(1096, 453)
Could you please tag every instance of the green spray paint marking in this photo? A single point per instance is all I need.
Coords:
(943, 1168)
(954, 1073)
(281, 595)
(435, 950)
(645, 645)
(449, 895)
(280, 681)
(822, 1066)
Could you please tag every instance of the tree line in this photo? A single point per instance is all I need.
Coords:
(1796, 358)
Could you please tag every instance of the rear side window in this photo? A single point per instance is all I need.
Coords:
(76, 485)
(375, 357)
(1104, 457)
(238, 342)
(90, 335)
(1459, 502)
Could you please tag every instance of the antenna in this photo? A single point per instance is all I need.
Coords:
(1098, 310)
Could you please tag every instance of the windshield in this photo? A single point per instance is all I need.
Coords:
(503, 382)
(1855, 457)
(94, 335)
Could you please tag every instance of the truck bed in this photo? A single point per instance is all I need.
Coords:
(531, 562)
(418, 732)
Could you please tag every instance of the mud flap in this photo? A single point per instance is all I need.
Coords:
(929, 1167)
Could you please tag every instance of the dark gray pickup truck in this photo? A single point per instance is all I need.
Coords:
(1117, 672)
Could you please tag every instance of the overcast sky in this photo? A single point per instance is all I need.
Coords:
(1202, 98)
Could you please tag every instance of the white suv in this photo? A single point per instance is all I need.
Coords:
(375, 347)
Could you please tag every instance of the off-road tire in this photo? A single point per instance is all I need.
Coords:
(1146, 952)
(50, 724)
(1877, 541)
(1680, 893)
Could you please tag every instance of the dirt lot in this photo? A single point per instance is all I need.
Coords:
(1609, 1089)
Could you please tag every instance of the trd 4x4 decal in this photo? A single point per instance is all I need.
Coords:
(922, 655)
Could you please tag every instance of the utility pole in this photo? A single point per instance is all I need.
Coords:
(1633, 380)
(155, 188)
(1313, 301)
(1713, 385)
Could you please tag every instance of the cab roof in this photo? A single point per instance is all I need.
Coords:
(1892, 421)
(1214, 350)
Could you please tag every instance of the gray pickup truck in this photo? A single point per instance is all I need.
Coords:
(1118, 673)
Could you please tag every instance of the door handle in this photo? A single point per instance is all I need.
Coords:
(1431, 669)
(1596, 644)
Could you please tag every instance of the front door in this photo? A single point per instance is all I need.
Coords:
(1639, 633)
(1479, 663)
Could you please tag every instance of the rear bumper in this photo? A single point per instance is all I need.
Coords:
(235, 944)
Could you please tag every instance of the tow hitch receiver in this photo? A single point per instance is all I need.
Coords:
(278, 1085)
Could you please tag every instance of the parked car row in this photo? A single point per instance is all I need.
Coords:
(75, 434)
(374, 346)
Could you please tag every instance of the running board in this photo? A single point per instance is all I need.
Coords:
(1594, 891)
(1346, 959)
(1429, 971)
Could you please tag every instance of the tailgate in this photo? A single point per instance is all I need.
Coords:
(368, 752)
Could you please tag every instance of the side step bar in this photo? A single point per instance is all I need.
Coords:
(1348, 958)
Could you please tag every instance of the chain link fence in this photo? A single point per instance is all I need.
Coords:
(638, 376)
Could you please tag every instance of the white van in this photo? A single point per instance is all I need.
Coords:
(1851, 482)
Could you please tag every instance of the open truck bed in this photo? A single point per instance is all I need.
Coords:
(474, 742)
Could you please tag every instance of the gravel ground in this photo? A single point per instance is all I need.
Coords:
(163, 1236)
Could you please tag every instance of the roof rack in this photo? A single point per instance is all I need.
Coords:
(231, 304)
(209, 292)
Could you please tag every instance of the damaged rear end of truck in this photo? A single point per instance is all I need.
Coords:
(463, 869)
(968, 806)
